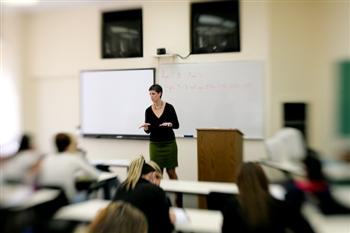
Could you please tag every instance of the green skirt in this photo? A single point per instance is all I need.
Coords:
(164, 153)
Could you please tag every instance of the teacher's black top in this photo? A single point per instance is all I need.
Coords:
(152, 201)
(161, 133)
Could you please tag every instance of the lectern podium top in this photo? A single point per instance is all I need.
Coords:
(220, 129)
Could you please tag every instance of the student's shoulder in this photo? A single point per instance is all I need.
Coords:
(150, 188)
(231, 204)
(278, 206)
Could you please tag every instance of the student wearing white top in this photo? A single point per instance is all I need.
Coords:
(62, 169)
(21, 167)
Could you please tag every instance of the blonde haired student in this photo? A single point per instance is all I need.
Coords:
(119, 217)
(141, 189)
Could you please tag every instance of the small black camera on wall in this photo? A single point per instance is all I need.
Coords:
(161, 51)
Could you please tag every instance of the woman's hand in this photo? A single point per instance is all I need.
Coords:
(145, 126)
(166, 124)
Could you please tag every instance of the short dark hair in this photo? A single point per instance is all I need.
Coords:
(157, 88)
(313, 165)
(25, 143)
(62, 141)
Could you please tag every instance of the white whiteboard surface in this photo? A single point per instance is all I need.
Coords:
(216, 95)
(113, 102)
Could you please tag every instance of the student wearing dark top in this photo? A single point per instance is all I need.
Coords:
(140, 190)
(316, 186)
(160, 120)
(255, 210)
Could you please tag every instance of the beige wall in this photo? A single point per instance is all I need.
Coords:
(298, 41)
(11, 73)
(307, 39)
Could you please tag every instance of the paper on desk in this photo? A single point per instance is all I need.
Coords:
(181, 216)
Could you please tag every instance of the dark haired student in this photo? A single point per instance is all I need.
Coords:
(160, 120)
(254, 210)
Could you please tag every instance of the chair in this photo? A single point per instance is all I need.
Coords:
(294, 143)
(286, 150)
(287, 145)
(275, 149)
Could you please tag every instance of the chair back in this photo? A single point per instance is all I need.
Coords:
(286, 145)
(294, 143)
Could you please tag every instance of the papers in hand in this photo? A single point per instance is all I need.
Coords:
(181, 216)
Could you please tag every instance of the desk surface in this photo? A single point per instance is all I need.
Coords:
(199, 220)
(83, 211)
(111, 162)
(208, 221)
(205, 187)
(285, 166)
(197, 187)
(104, 176)
(21, 196)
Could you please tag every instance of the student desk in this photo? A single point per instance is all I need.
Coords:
(105, 180)
(111, 162)
(208, 221)
(285, 166)
(21, 206)
(337, 172)
(20, 197)
(198, 220)
(105, 176)
(206, 187)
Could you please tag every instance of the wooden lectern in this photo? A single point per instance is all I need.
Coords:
(219, 155)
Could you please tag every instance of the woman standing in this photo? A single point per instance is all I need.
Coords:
(160, 120)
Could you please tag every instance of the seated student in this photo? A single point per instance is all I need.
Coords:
(141, 190)
(255, 210)
(316, 186)
(119, 217)
(61, 169)
(22, 167)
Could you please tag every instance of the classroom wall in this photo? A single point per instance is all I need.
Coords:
(298, 44)
(308, 39)
(11, 73)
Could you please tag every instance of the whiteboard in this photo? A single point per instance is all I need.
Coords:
(113, 102)
(216, 95)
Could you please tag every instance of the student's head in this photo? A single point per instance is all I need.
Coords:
(313, 165)
(65, 142)
(251, 175)
(119, 217)
(139, 168)
(156, 176)
(253, 194)
(25, 143)
(155, 90)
